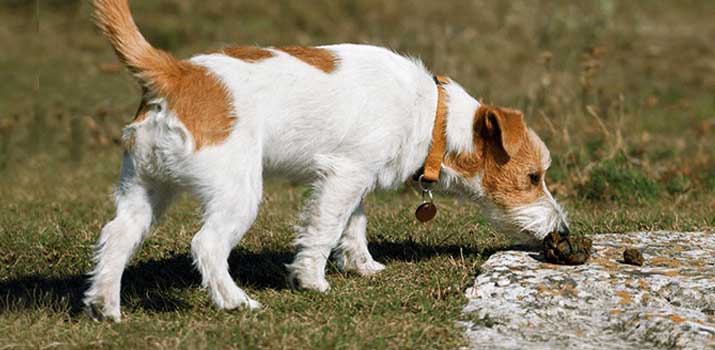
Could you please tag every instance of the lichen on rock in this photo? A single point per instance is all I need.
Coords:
(519, 301)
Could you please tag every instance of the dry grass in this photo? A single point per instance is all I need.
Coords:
(621, 91)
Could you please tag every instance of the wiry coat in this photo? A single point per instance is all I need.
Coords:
(348, 118)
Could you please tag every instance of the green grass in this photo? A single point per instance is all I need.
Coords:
(621, 91)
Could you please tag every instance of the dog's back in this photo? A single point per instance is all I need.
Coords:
(372, 105)
(301, 105)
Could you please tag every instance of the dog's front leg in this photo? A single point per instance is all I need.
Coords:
(334, 199)
(352, 253)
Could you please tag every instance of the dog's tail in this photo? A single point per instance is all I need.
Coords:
(153, 68)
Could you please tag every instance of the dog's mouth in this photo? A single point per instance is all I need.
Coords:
(540, 218)
(537, 219)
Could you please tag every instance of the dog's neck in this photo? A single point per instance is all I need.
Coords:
(461, 109)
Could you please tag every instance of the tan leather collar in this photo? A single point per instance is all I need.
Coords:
(430, 171)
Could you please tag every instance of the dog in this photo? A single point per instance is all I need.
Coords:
(348, 118)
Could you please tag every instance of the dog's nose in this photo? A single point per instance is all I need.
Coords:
(564, 230)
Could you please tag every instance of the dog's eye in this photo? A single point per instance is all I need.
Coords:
(156, 107)
(534, 178)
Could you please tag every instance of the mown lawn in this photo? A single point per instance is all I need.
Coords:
(621, 91)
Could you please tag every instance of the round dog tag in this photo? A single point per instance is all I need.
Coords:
(426, 211)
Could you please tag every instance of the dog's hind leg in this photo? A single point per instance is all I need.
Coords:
(138, 205)
(231, 196)
(337, 194)
(352, 253)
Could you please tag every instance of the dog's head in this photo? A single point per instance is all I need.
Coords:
(505, 171)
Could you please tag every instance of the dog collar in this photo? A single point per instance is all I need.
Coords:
(429, 172)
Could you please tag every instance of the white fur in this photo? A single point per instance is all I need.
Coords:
(366, 125)
(530, 223)
(540, 217)
(460, 122)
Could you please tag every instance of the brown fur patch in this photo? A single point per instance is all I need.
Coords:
(466, 164)
(200, 101)
(503, 125)
(198, 98)
(116, 22)
(320, 58)
(246, 53)
(505, 177)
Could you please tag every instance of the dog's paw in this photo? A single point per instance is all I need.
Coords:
(244, 303)
(232, 297)
(98, 312)
(364, 266)
(370, 268)
(317, 284)
(254, 304)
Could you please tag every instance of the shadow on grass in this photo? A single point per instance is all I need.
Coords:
(150, 284)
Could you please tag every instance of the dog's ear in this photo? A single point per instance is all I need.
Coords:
(503, 126)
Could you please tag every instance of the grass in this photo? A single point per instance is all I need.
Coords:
(620, 91)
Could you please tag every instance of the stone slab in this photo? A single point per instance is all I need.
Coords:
(518, 301)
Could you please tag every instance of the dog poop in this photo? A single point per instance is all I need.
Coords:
(566, 250)
(633, 256)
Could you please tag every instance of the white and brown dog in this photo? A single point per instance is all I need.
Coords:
(352, 118)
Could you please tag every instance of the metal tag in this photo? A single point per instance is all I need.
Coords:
(426, 211)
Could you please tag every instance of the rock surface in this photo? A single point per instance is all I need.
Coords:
(521, 302)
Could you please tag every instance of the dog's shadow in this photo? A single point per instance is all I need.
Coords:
(148, 284)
